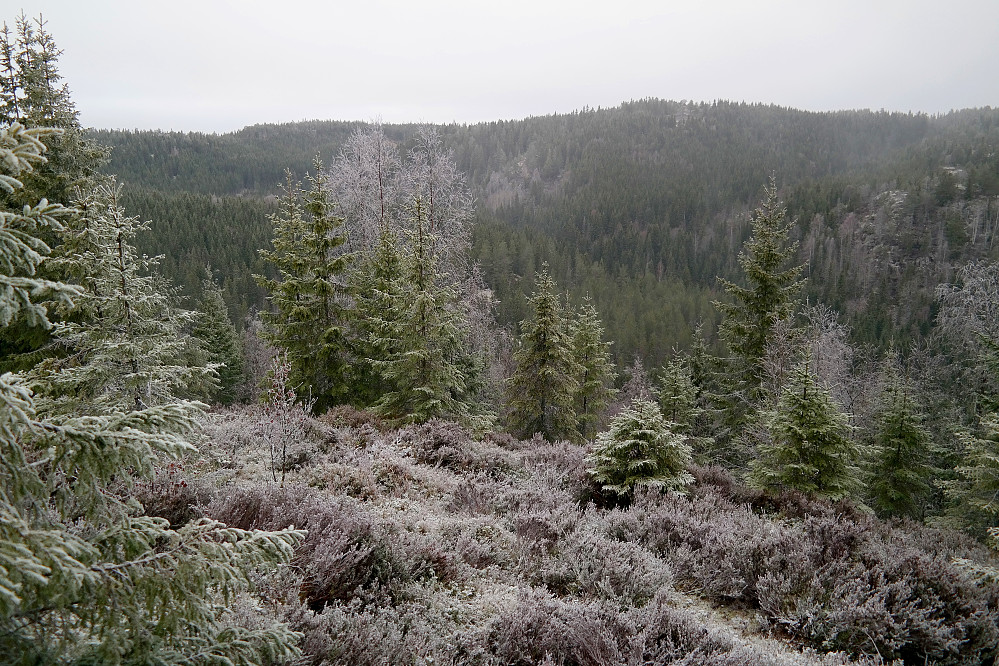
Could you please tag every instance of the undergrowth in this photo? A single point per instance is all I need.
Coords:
(427, 546)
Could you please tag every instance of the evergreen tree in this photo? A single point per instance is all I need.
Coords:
(596, 383)
(310, 296)
(771, 295)
(543, 388)
(974, 495)
(122, 346)
(425, 369)
(220, 342)
(84, 577)
(677, 394)
(378, 287)
(640, 449)
(32, 93)
(810, 447)
(900, 469)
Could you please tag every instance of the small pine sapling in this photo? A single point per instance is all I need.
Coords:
(641, 448)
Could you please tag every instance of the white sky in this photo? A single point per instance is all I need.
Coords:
(219, 65)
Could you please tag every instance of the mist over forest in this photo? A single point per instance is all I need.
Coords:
(666, 383)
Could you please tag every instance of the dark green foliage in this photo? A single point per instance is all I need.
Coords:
(974, 495)
(220, 342)
(770, 295)
(378, 288)
(425, 370)
(596, 383)
(678, 395)
(640, 448)
(900, 472)
(190, 231)
(308, 296)
(641, 206)
(810, 447)
(543, 388)
(33, 94)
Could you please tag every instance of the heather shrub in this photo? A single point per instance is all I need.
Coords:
(369, 635)
(398, 475)
(507, 441)
(539, 627)
(426, 546)
(350, 546)
(590, 565)
(173, 494)
(661, 633)
(262, 441)
(349, 475)
(905, 604)
(448, 444)
(564, 465)
(837, 582)
(347, 416)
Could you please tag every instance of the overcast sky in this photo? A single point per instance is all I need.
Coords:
(219, 65)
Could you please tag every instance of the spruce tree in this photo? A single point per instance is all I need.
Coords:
(810, 448)
(973, 497)
(543, 388)
(220, 341)
(640, 449)
(596, 382)
(426, 370)
(310, 296)
(84, 576)
(677, 394)
(378, 287)
(33, 95)
(123, 345)
(900, 470)
(771, 295)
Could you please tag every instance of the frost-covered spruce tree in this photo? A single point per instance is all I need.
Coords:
(34, 94)
(220, 341)
(900, 469)
(84, 576)
(543, 388)
(427, 371)
(810, 447)
(123, 345)
(641, 448)
(596, 382)
(310, 296)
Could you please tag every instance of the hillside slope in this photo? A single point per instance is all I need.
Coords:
(643, 205)
(428, 546)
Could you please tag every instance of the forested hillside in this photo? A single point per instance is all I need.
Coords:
(642, 206)
(668, 383)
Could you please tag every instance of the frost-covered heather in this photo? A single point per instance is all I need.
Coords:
(427, 546)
